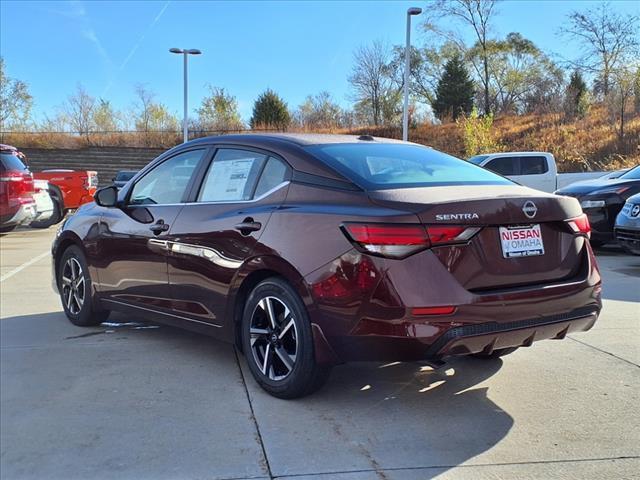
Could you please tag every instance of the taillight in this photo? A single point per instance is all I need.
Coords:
(19, 186)
(580, 225)
(400, 241)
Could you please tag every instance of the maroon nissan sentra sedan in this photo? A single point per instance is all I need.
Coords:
(311, 250)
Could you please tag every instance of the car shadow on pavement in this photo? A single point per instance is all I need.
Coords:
(394, 416)
(370, 417)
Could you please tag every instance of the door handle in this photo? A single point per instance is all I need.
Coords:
(247, 226)
(159, 227)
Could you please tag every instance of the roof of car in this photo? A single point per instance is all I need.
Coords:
(301, 139)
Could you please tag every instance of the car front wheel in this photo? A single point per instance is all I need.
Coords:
(278, 343)
(74, 284)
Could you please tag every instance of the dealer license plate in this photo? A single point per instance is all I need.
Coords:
(521, 241)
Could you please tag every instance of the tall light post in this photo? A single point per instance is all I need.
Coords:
(185, 52)
(407, 63)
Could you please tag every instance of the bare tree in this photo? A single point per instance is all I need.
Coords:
(478, 14)
(608, 39)
(15, 100)
(143, 107)
(620, 95)
(78, 110)
(370, 79)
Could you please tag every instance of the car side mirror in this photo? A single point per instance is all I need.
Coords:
(107, 196)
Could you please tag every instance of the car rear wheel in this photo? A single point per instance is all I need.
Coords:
(278, 343)
(500, 352)
(74, 284)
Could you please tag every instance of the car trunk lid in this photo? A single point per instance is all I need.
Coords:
(480, 264)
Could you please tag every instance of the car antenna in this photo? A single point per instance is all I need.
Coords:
(367, 138)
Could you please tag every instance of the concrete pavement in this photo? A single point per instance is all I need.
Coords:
(128, 401)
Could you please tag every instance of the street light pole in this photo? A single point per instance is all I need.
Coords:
(185, 53)
(407, 64)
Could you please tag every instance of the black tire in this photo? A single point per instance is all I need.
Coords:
(56, 217)
(500, 352)
(290, 369)
(75, 290)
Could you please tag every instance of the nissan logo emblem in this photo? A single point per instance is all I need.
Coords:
(530, 209)
(635, 210)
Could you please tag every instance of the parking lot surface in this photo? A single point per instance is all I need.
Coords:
(136, 400)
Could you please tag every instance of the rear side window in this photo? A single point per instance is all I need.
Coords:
(12, 162)
(533, 165)
(232, 176)
(167, 183)
(275, 172)
(503, 165)
(387, 165)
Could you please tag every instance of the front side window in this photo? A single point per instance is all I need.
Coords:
(533, 165)
(232, 176)
(387, 165)
(167, 183)
(503, 165)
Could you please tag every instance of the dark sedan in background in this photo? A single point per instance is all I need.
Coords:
(122, 177)
(312, 250)
(627, 229)
(602, 199)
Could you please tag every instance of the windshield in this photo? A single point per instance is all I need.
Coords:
(633, 174)
(478, 159)
(387, 165)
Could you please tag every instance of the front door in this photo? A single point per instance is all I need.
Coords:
(215, 234)
(132, 243)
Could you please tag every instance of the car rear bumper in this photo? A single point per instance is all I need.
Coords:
(25, 214)
(482, 322)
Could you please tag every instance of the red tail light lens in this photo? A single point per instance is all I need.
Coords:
(580, 225)
(19, 186)
(399, 241)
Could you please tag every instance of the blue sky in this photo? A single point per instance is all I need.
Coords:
(293, 47)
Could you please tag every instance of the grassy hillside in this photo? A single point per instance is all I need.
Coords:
(591, 143)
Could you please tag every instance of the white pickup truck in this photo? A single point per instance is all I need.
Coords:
(533, 169)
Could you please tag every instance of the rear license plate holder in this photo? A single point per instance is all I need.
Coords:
(521, 241)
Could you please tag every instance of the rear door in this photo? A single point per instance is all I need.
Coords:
(219, 229)
(131, 255)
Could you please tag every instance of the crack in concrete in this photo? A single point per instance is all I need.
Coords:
(253, 417)
(448, 467)
(603, 351)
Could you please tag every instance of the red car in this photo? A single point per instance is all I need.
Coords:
(17, 205)
(308, 251)
(69, 189)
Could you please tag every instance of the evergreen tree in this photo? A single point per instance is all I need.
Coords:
(270, 111)
(455, 91)
(576, 96)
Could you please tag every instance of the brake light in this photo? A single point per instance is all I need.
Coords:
(400, 241)
(580, 225)
(19, 186)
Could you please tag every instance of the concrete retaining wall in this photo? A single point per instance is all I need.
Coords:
(107, 161)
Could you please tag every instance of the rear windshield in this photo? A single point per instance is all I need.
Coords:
(386, 165)
(11, 162)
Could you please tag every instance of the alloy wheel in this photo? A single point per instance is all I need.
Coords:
(73, 286)
(274, 338)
